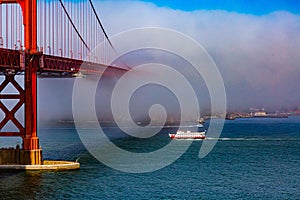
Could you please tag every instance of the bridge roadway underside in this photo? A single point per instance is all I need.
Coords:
(14, 61)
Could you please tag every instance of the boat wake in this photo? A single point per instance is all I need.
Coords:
(249, 139)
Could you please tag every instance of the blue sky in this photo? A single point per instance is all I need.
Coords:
(256, 7)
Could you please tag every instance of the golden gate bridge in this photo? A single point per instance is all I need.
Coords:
(50, 39)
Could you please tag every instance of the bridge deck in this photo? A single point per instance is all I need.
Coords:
(13, 61)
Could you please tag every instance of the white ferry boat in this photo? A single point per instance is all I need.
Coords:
(188, 135)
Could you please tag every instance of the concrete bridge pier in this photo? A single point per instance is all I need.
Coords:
(21, 157)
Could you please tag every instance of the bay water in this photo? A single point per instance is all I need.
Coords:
(253, 159)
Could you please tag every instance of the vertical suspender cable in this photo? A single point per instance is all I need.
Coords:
(68, 35)
(11, 33)
(83, 28)
(78, 25)
(49, 29)
(57, 27)
(79, 16)
(11, 20)
(6, 25)
(71, 32)
(86, 27)
(12, 25)
(39, 25)
(94, 33)
(44, 27)
(17, 26)
(83, 25)
(53, 27)
(89, 30)
(61, 31)
(65, 38)
(1, 17)
(41, 29)
(96, 43)
(20, 27)
(91, 24)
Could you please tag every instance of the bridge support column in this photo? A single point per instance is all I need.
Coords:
(31, 154)
(31, 141)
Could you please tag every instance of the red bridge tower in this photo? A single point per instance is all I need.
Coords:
(30, 153)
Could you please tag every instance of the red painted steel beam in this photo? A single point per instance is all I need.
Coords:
(10, 114)
(11, 134)
(9, 96)
(9, 2)
(10, 59)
